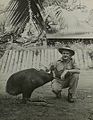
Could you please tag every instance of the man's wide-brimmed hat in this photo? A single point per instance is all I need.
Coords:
(61, 49)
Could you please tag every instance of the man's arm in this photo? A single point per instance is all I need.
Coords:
(75, 67)
(71, 71)
(74, 71)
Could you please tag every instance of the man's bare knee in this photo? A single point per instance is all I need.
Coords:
(75, 76)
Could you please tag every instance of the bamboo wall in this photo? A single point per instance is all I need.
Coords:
(16, 60)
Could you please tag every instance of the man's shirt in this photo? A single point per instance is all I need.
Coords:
(61, 65)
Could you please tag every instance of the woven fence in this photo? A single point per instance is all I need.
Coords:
(16, 60)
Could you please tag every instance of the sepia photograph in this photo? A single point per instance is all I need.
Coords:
(46, 59)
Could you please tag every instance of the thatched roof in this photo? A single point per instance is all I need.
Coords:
(61, 36)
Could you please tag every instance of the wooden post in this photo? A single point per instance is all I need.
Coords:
(42, 57)
(49, 56)
(76, 56)
(52, 55)
(38, 60)
(56, 54)
(31, 59)
(89, 61)
(46, 57)
(28, 55)
(23, 60)
(16, 62)
(12, 62)
(4, 61)
(20, 60)
(8, 61)
(34, 59)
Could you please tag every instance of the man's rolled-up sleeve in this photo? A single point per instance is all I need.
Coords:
(75, 65)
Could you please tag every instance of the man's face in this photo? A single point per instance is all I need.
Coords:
(66, 55)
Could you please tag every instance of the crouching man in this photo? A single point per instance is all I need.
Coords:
(66, 74)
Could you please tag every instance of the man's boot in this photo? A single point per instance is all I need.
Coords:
(70, 98)
(58, 95)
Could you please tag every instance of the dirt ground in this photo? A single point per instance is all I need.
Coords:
(50, 108)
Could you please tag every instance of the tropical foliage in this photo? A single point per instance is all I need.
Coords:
(21, 11)
(90, 19)
(30, 16)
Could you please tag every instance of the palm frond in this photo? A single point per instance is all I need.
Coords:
(18, 13)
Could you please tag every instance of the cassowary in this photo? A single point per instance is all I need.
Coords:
(26, 81)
